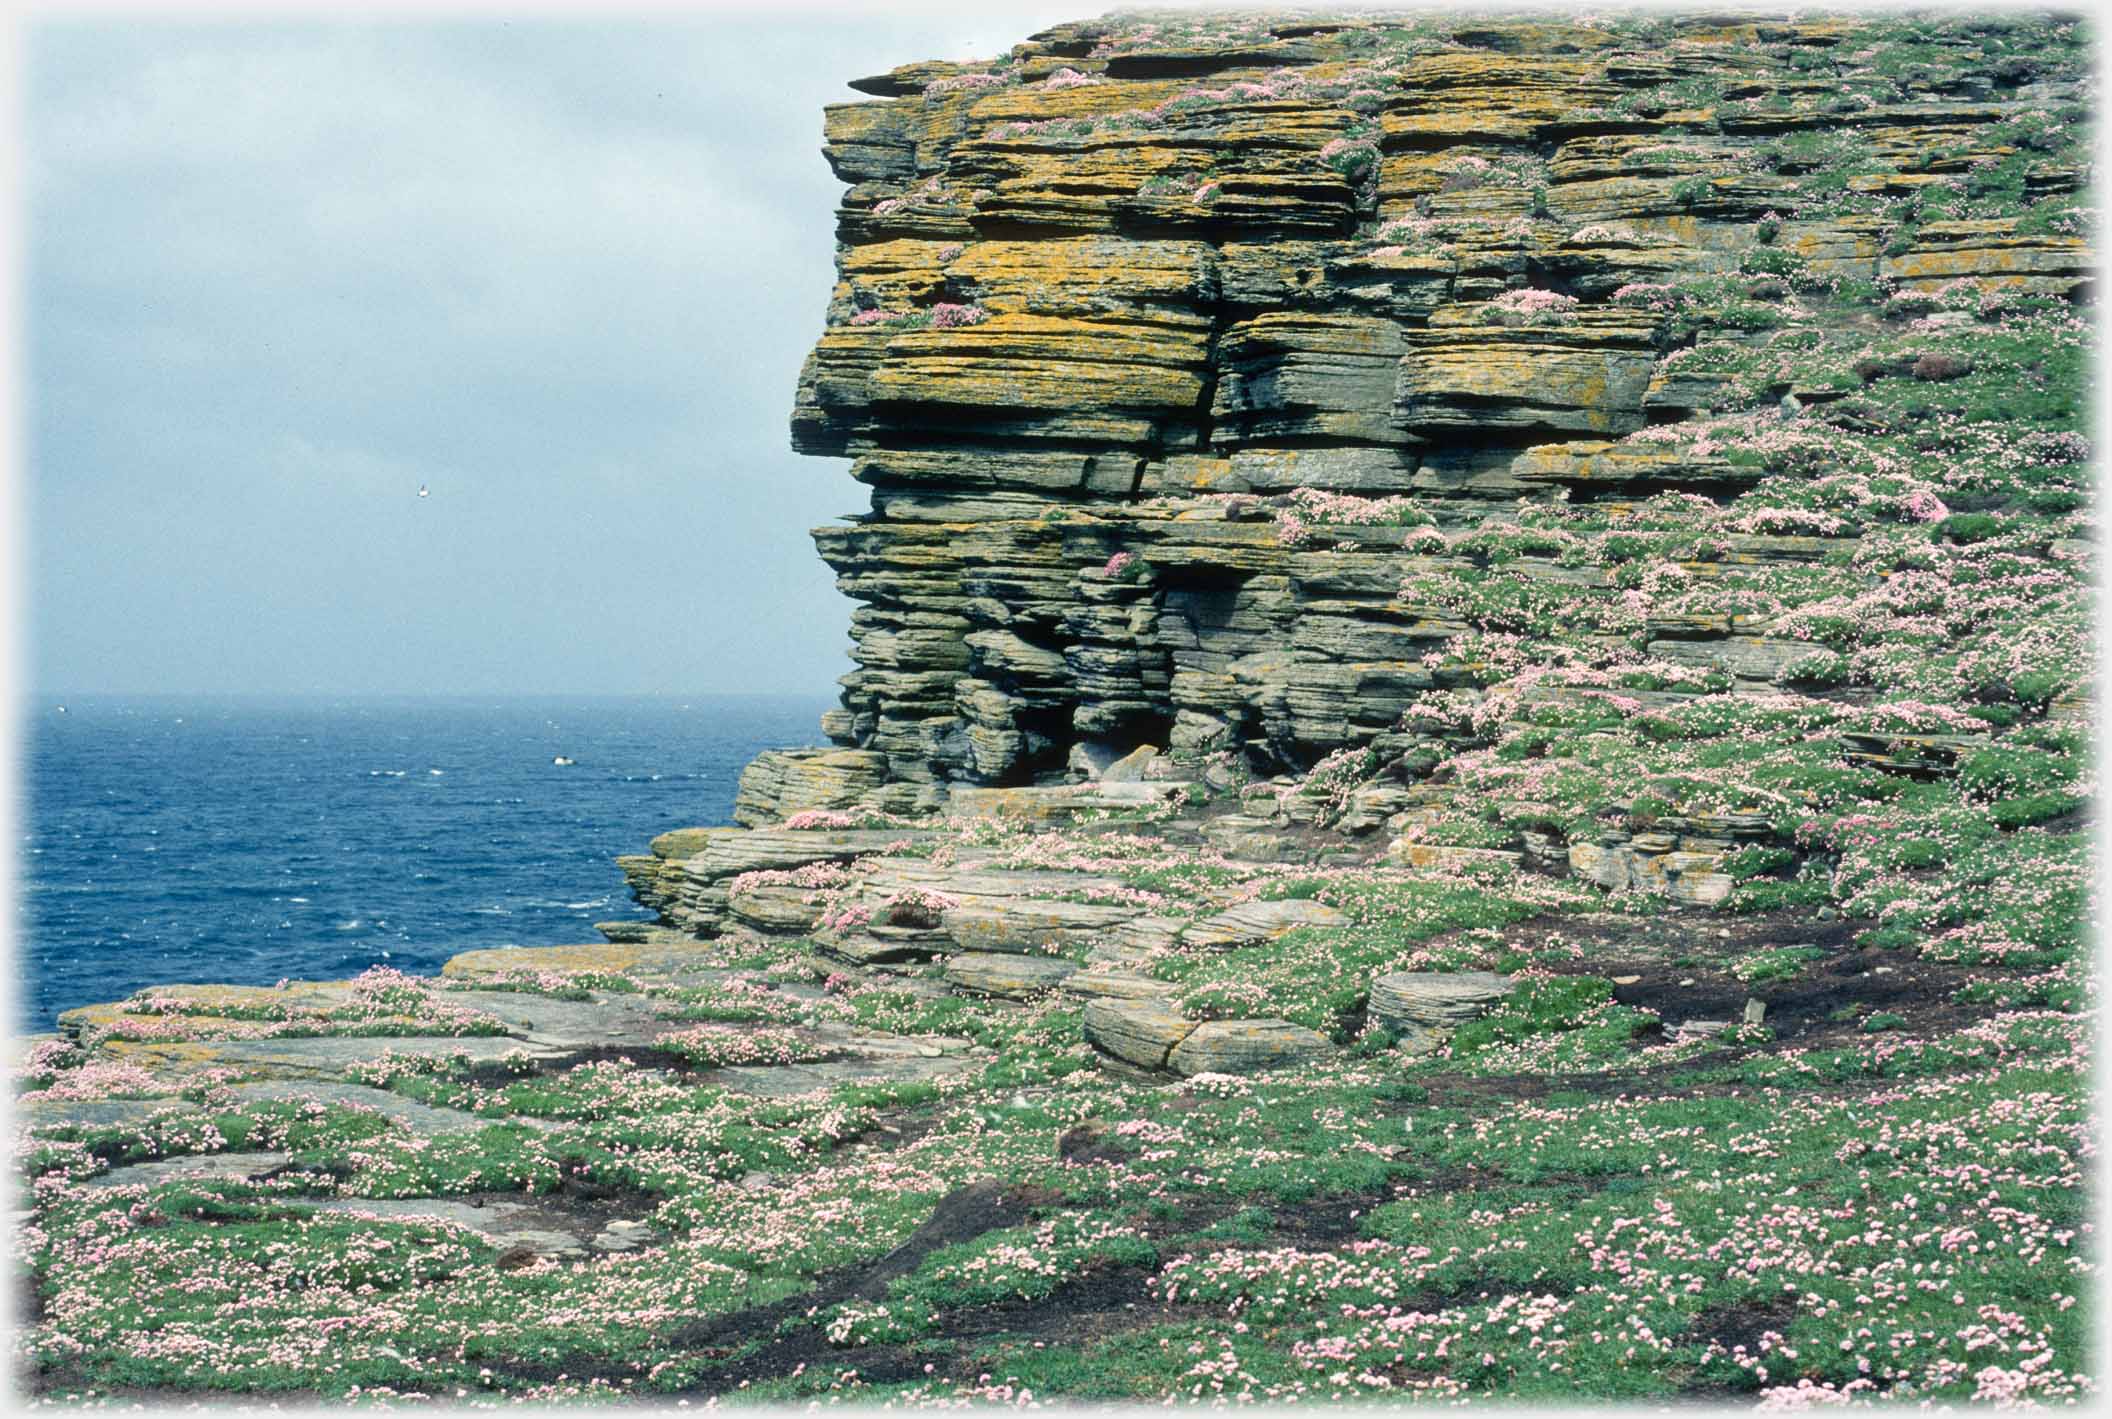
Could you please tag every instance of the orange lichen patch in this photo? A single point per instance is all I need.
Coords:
(1993, 252)
(1037, 103)
(179, 1059)
(1650, 154)
(1198, 475)
(1081, 275)
(1039, 362)
(898, 273)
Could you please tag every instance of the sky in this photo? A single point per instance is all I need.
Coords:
(277, 276)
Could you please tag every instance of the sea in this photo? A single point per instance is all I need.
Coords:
(248, 840)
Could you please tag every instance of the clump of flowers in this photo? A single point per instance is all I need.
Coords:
(1469, 171)
(823, 818)
(1530, 307)
(100, 1080)
(1463, 172)
(948, 316)
(915, 907)
(929, 193)
(961, 83)
(814, 877)
(1651, 296)
(1402, 235)
(943, 316)
(1118, 566)
(712, 1046)
(1337, 776)
(1068, 78)
(1354, 158)
(45, 1060)
(1213, 1085)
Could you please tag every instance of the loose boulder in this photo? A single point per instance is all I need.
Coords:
(1434, 999)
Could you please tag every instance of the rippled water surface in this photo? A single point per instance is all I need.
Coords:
(173, 839)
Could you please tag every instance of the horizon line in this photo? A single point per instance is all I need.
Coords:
(289, 694)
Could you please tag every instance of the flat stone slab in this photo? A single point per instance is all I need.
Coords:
(1024, 926)
(1139, 1032)
(503, 1224)
(631, 933)
(1251, 923)
(1008, 976)
(1646, 865)
(1246, 838)
(974, 883)
(325, 1057)
(782, 1080)
(657, 956)
(1117, 985)
(546, 1021)
(422, 1119)
(867, 1044)
(93, 1113)
(1436, 999)
(1141, 937)
(731, 852)
(777, 906)
(208, 997)
(204, 1167)
(1043, 805)
(1246, 1047)
(426, 1120)
(1433, 857)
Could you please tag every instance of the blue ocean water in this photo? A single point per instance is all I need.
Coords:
(246, 840)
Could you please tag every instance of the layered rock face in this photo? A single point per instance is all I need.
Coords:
(1647, 452)
(1184, 360)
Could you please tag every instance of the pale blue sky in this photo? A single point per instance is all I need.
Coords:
(278, 275)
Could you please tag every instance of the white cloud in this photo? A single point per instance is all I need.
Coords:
(286, 267)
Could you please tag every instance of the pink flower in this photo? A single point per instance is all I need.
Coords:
(947, 316)
(1532, 307)
(960, 82)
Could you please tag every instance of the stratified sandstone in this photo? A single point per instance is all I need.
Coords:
(1221, 402)
(1185, 299)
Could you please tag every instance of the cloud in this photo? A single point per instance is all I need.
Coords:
(567, 268)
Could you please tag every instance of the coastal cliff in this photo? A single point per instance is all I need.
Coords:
(1497, 417)
(1194, 371)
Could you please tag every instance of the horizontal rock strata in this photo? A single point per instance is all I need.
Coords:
(1322, 425)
